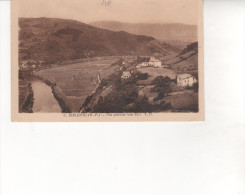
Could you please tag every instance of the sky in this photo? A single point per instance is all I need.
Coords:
(131, 11)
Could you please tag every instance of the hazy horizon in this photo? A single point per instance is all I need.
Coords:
(111, 21)
(133, 11)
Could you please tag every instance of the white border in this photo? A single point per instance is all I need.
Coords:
(137, 158)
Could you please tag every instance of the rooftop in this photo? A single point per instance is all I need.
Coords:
(184, 76)
(126, 74)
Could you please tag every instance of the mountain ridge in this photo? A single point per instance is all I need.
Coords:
(161, 31)
(54, 39)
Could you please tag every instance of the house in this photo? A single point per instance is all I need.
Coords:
(165, 66)
(23, 64)
(185, 80)
(152, 62)
(142, 64)
(126, 74)
(155, 62)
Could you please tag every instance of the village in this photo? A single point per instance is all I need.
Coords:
(144, 72)
(28, 64)
(146, 80)
(182, 80)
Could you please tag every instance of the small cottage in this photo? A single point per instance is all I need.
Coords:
(142, 64)
(126, 74)
(165, 66)
(185, 80)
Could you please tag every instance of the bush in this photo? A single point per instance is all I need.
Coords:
(142, 76)
(195, 87)
(115, 101)
(142, 59)
(162, 85)
(159, 97)
(161, 81)
(140, 105)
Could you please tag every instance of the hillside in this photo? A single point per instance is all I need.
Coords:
(148, 89)
(52, 40)
(164, 32)
(186, 61)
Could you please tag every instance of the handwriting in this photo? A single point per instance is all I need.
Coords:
(106, 2)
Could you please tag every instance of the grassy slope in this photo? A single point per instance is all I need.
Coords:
(186, 61)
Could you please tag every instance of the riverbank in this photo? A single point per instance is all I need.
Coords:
(56, 93)
(25, 97)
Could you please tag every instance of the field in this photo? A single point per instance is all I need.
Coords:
(183, 102)
(154, 72)
(76, 81)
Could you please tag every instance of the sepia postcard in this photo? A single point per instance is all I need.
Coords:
(107, 60)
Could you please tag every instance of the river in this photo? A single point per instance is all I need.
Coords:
(44, 101)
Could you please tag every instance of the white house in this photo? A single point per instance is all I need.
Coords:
(143, 64)
(165, 66)
(126, 74)
(23, 64)
(155, 62)
(185, 80)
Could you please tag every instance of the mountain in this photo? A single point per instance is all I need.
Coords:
(164, 32)
(52, 40)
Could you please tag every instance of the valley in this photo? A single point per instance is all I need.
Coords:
(90, 69)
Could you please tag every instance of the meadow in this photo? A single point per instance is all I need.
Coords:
(154, 72)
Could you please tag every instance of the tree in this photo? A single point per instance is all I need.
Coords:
(141, 104)
(195, 87)
(162, 85)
